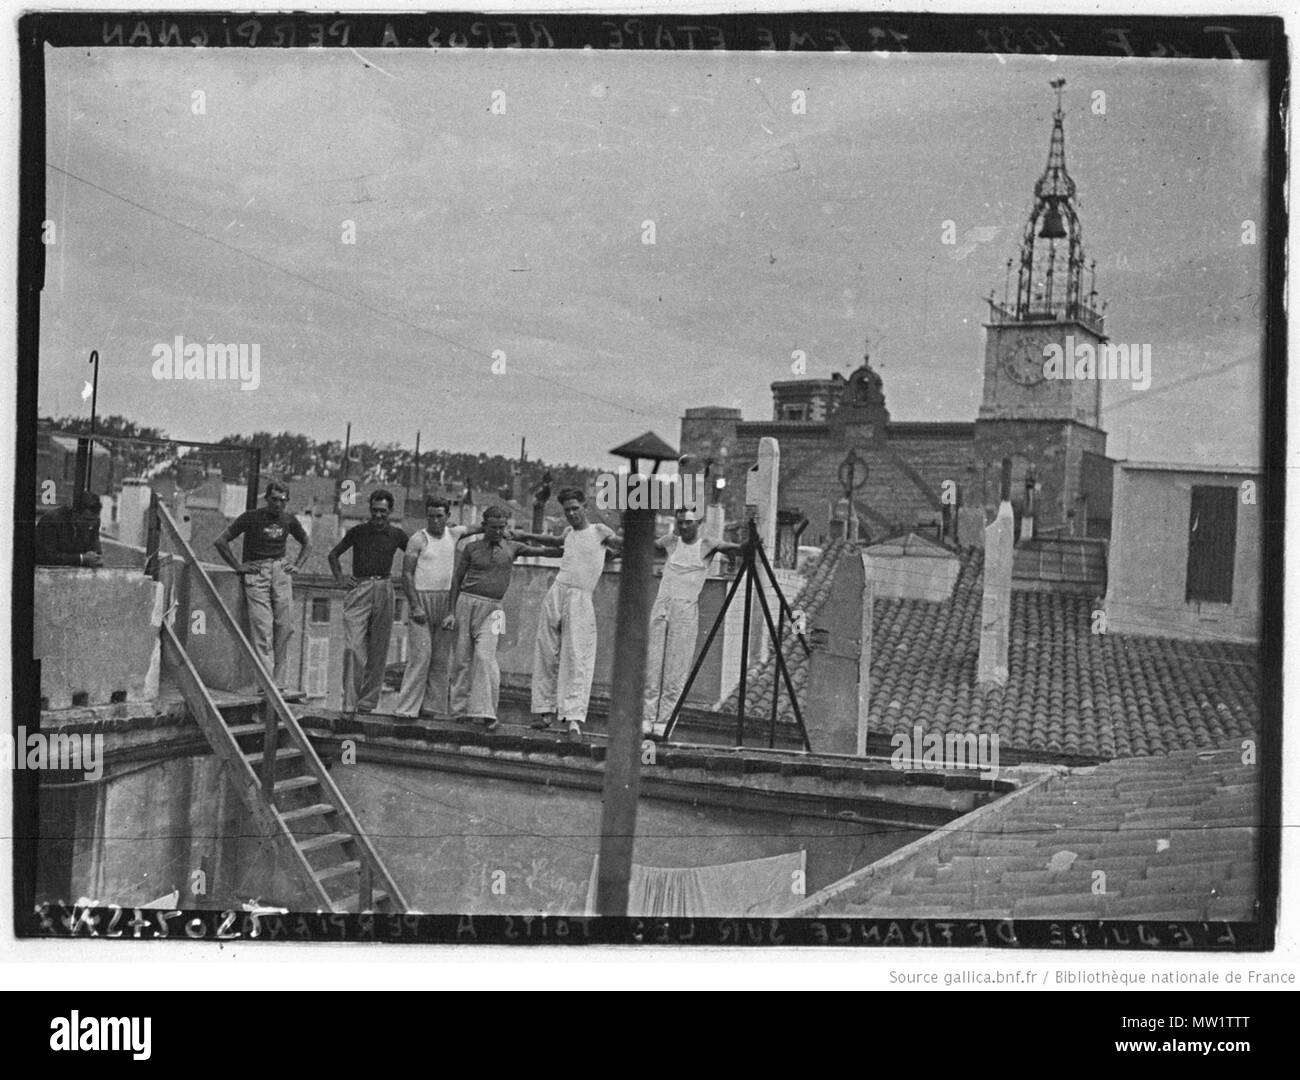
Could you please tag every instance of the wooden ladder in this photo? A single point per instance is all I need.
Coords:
(278, 774)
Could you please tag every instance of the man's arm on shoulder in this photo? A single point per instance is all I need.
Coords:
(545, 539)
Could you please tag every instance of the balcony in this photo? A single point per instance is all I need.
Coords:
(1001, 314)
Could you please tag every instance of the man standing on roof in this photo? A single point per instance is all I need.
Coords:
(675, 618)
(368, 606)
(426, 577)
(267, 575)
(481, 580)
(564, 654)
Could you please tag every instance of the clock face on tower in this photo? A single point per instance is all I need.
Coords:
(1023, 362)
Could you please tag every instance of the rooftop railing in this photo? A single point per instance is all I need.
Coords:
(1001, 314)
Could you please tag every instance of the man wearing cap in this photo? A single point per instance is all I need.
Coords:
(267, 576)
(675, 618)
(368, 606)
(69, 535)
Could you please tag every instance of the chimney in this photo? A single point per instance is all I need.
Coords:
(133, 508)
(995, 624)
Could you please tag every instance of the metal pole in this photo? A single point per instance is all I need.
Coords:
(785, 607)
(776, 683)
(744, 636)
(94, 402)
(784, 672)
(152, 538)
(623, 751)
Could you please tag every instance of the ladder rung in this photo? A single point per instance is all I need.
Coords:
(275, 714)
(315, 810)
(353, 902)
(252, 729)
(315, 843)
(284, 753)
(295, 783)
(349, 867)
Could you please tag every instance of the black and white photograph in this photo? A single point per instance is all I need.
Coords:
(649, 480)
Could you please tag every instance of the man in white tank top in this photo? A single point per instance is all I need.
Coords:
(675, 618)
(564, 654)
(426, 576)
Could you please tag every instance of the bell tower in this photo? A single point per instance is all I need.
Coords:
(1042, 417)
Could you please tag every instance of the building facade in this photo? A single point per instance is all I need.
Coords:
(848, 469)
(1186, 554)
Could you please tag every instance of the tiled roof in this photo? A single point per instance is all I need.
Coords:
(1070, 692)
(1169, 838)
(911, 545)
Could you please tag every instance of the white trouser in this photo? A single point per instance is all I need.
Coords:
(564, 656)
(674, 625)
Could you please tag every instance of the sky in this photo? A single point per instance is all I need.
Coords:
(500, 287)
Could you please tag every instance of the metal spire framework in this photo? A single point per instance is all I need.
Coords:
(1049, 284)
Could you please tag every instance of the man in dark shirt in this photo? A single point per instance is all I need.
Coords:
(478, 583)
(69, 535)
(267, 575)
(368, 606)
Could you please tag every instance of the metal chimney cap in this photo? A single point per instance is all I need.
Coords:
(647, 445)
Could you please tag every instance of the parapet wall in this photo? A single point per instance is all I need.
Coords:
(96, 635)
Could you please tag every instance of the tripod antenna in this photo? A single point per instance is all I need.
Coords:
(752, 558)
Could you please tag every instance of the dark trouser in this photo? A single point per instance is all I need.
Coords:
(367, 626)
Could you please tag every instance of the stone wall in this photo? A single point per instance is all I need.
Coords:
(1053, 451)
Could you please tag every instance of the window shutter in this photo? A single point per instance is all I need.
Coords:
(1211, 544)
(318, 658)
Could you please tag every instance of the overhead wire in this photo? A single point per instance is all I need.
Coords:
(356, 300)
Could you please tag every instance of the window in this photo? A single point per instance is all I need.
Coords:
(794, 412)
(320, 609)
(1211, 544)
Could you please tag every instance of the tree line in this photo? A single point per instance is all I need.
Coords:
(291, 455)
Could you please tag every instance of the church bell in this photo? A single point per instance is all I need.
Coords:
(1053, 227)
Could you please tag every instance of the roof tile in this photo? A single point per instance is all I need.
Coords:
(1195, 861)
(1069, 691)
